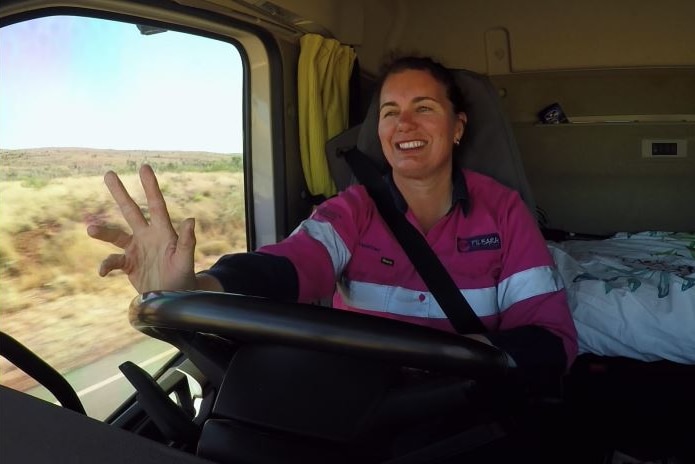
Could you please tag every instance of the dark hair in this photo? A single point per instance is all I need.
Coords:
(421, 63)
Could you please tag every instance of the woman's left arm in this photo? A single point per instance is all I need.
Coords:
(536, 327)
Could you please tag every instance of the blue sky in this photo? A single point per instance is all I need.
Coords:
(81, 82)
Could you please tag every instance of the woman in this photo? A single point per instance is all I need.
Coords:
(481, 231)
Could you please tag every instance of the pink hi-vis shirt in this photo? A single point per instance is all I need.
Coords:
(495, 254)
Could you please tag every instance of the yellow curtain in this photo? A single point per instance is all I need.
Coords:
(323, 90)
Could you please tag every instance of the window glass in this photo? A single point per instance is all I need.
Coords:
(80, 96)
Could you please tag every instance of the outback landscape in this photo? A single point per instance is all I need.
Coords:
(52, 299)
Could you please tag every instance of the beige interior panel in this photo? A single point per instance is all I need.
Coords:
(593, 178)
(660, 91)
(543, 34)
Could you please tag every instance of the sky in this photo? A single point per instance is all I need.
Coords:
(83, 82)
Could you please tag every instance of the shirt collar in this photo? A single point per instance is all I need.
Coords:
(459, 195)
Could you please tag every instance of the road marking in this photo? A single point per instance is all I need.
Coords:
(120, 375)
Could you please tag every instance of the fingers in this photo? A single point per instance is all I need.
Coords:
(130, 210)
(111, 263)
(186, 242)
(159, 214)
(155, 200)
(110, 234)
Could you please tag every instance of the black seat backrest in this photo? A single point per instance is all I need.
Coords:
(488, 145)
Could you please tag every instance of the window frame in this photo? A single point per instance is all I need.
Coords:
(263, 115)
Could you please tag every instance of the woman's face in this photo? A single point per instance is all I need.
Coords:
(417, 125)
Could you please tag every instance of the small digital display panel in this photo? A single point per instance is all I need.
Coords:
(664, 149)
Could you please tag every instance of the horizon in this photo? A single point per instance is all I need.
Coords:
(119, 149)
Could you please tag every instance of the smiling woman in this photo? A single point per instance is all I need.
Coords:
(80, 96)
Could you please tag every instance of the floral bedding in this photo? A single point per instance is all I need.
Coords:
(632, 295)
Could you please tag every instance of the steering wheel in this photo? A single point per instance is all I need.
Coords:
(312, 372)
(39, 370)
(248, 319)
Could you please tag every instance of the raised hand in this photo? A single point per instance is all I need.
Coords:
(154, 257)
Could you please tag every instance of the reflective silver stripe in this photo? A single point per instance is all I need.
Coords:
(406, 302)
(329, 238)
(526, 284)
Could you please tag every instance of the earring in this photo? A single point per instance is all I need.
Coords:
(456, 142)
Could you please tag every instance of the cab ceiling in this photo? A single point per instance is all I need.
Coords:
(494, 36)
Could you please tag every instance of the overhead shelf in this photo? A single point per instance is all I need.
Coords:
(631, 119)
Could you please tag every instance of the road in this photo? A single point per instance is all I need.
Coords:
(101, 387)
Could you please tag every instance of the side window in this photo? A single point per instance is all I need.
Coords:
(80, 96)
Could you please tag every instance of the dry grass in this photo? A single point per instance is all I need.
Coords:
(53, 300)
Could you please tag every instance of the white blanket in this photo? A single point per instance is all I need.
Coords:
(632, 295)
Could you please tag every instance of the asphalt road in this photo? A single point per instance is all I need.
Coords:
(101, 387)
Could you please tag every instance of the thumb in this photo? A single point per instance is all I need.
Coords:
(186, 242)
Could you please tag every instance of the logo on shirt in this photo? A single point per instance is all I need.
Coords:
(479, 243)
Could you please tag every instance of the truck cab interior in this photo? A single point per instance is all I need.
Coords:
(587, 109)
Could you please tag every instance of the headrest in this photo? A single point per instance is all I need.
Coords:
(488, 145)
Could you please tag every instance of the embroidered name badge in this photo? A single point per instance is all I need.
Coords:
(479, 243)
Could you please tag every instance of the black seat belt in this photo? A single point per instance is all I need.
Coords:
(425, 261)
